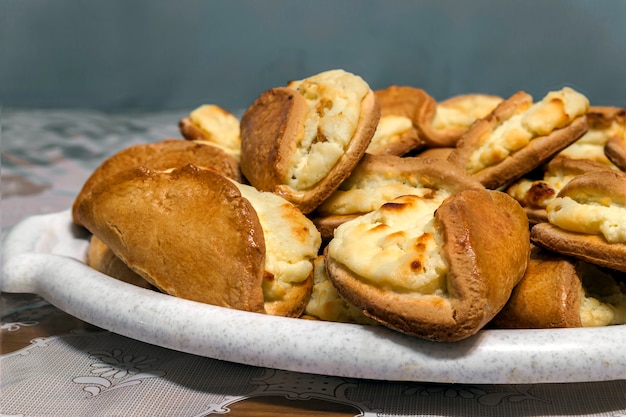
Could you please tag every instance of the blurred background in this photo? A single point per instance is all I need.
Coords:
(121, 55)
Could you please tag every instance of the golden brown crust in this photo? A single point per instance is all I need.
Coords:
(310, 199)
(482, 271)
(101, 258)
(549, 295)
(602, 117)
(166, 154)
(269, 130)
(190, 131)
(423, 118)
(425, 115)
(590, 248)
(155, 223)
(435, 153)
(531, 156)
(605, 124)
(560, 165)
(600, 186)
(615, 151)
(400, 101)
(328, 223)
(487, 258)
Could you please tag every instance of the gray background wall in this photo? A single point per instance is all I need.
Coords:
(117, 55)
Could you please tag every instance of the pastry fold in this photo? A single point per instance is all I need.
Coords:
(441, 124)
(586, 220)
(195, 234)
(396, 134)
(519, 136)
(162, 155)
(440, 272)
(378, 179)
(303, 140)
(560, 291)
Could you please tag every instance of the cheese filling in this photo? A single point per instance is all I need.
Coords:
(390, 128)
(589, 218)
(462, 113)
(291, 241)
(397, 246)
(591, 144)
(327, 304)
(366, 193)
(334, 100)
(603, 302)
(220, 127)
(539, 193)
(557, 110)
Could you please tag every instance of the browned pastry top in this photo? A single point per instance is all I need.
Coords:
(160, 224)
(485, 260)
(165, 154)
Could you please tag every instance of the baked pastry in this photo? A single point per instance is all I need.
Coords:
(213, 125)
(615, 146)
(165, 154)
(519, 136)
(378, 179)
(604, 123)
(326, 303)
(292, 243)
(586, 220)
(615, 151)
(303, 140)
(395, 133)
(156, 223)
(101, 258)
(441, 124)
(437, 270)
(560, 291)
(435, 153)
(535, 194)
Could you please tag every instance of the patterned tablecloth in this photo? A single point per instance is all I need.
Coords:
(53, 364)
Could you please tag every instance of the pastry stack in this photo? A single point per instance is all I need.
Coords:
(328, 200)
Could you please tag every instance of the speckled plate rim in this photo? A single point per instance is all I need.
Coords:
(44, 255)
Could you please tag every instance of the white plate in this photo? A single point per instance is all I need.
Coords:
(44, 255)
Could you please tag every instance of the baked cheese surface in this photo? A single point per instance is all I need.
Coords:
(220, 126)
(396, 246)
(334, 100)
(539, 193)
(389, 129)
(591, 144)
(555, 111)
(366, 193)
(589, 218)
(326, 303)
(602, 301)
(462, 112)
(291, 241)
